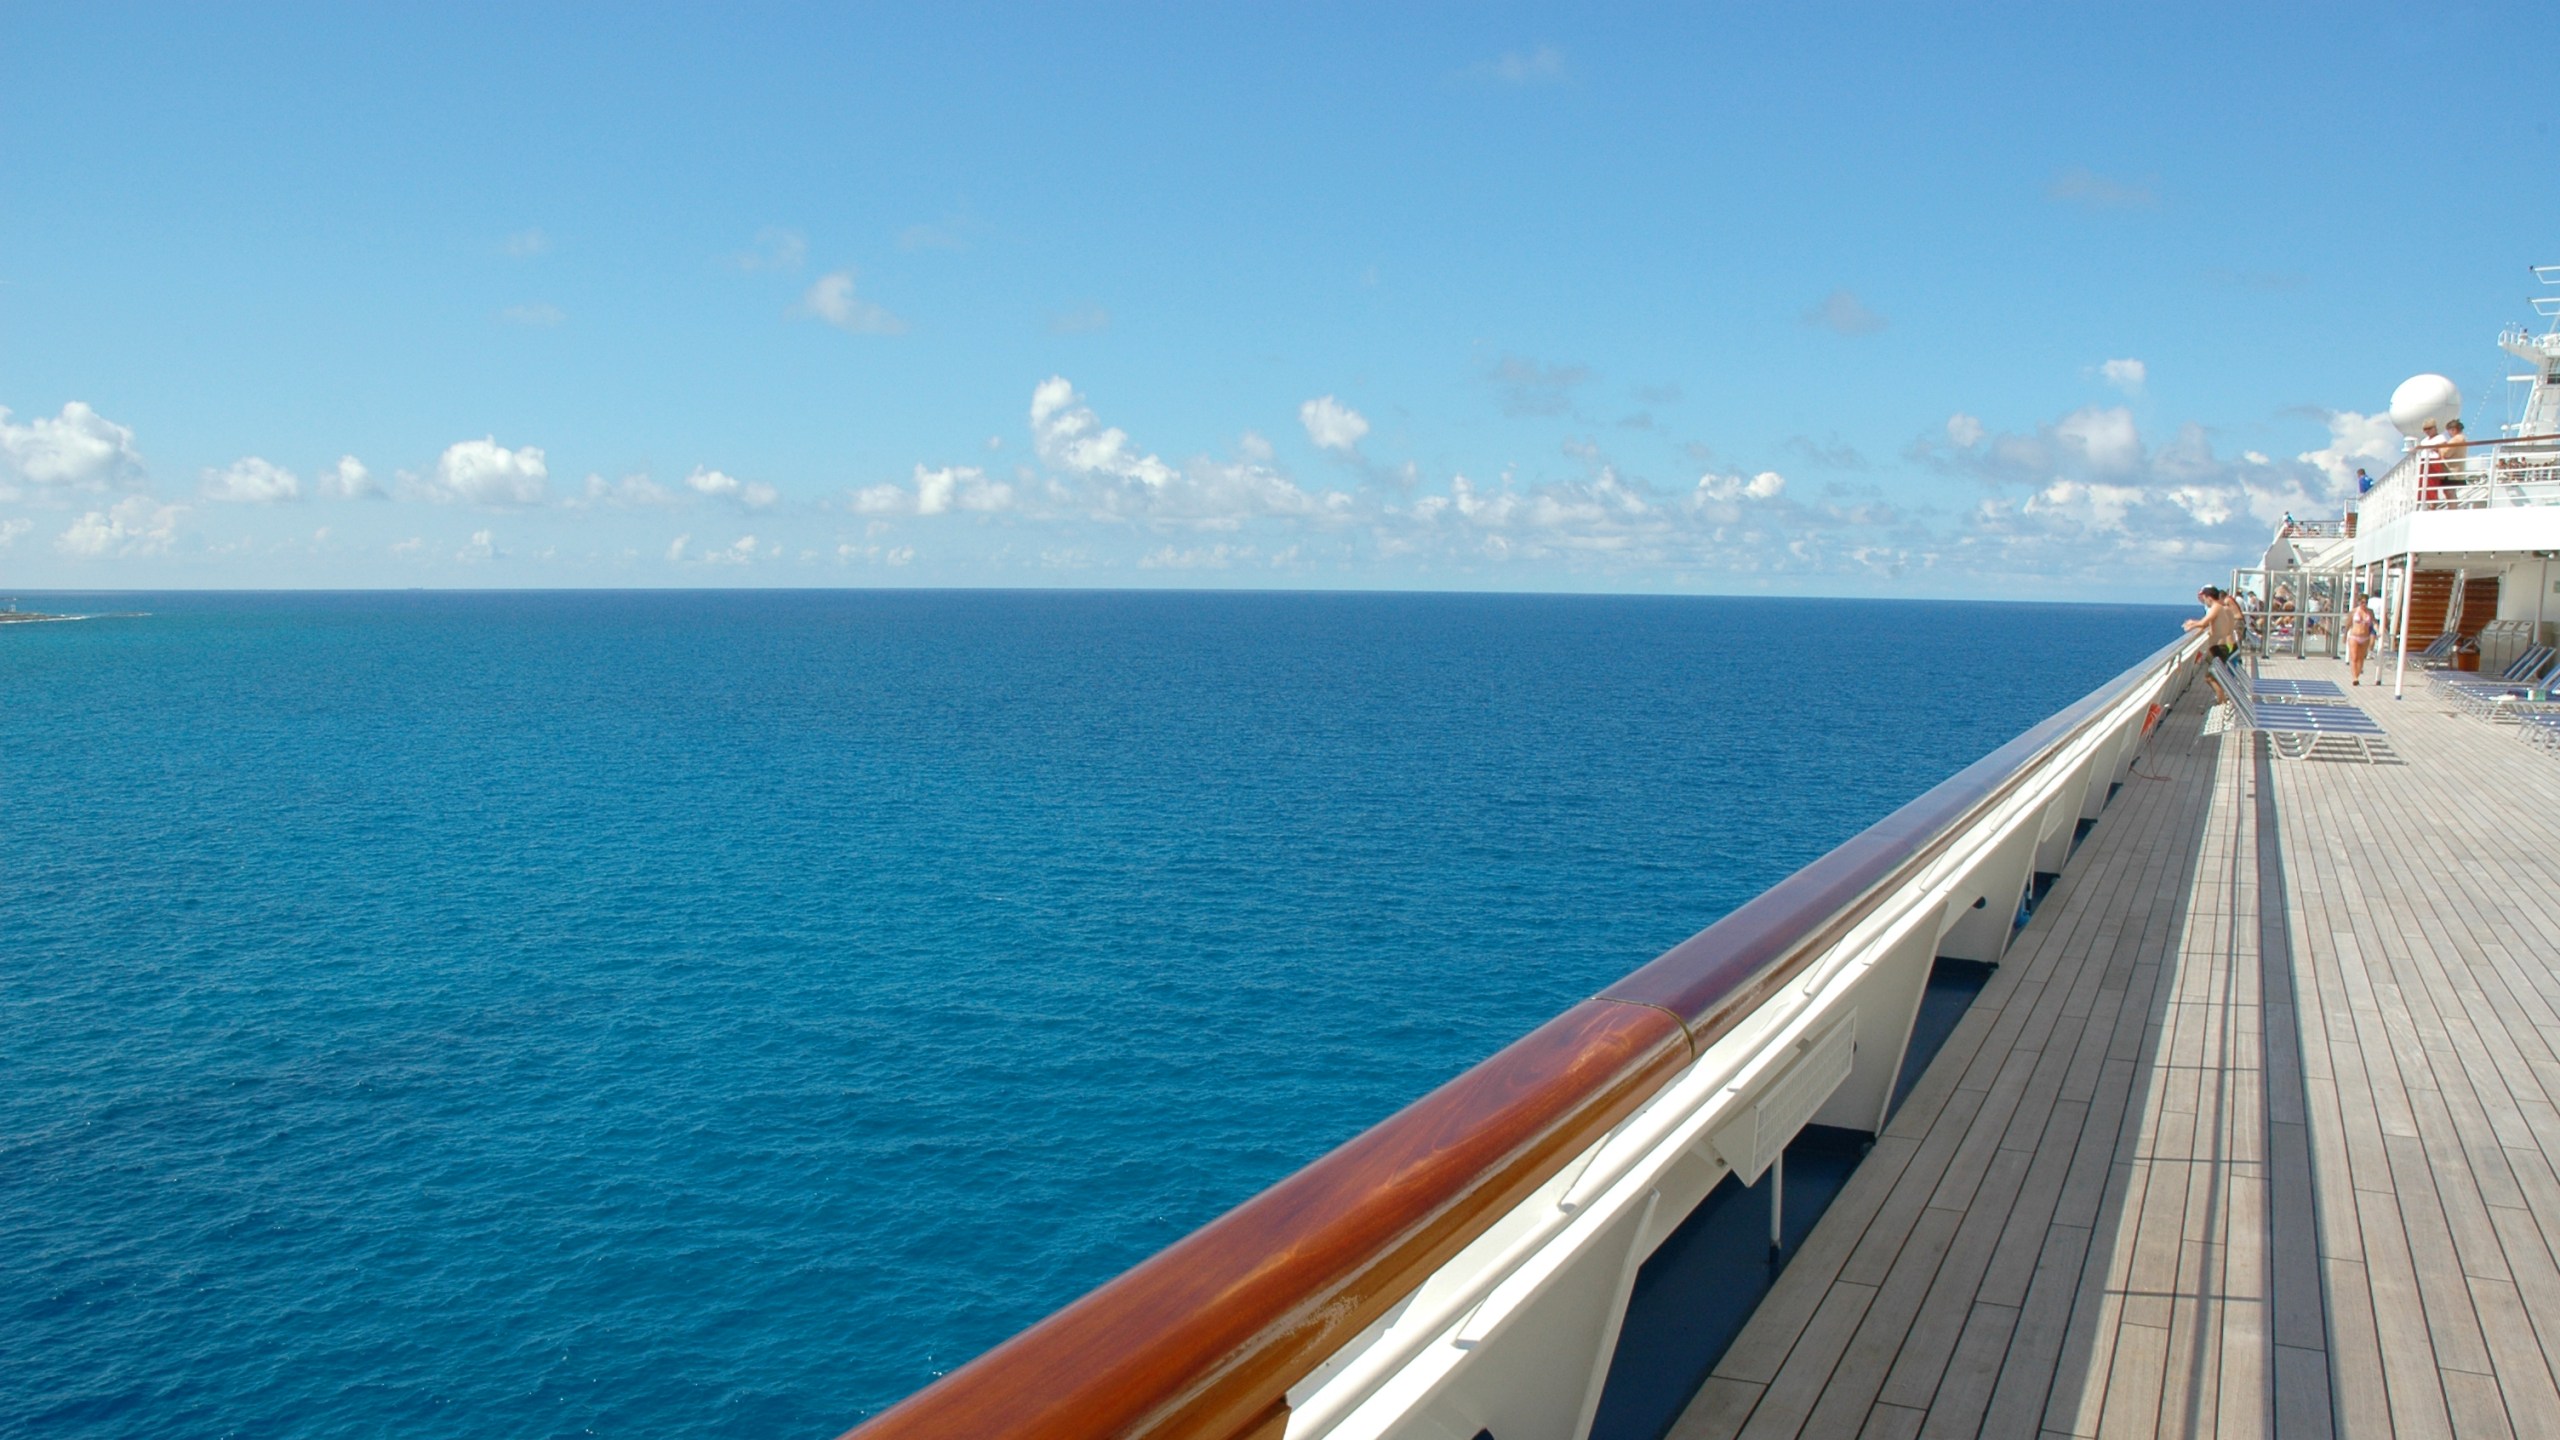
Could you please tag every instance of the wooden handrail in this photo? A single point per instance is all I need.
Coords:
(1204, 1339)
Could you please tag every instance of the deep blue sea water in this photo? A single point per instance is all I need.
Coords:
(643, 1014)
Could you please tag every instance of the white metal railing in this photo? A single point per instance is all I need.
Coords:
(1516, 1332)
(2490, 474)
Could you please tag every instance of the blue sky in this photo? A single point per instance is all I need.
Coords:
(2063, 301)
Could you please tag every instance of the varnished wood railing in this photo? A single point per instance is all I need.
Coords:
(1204, 1339)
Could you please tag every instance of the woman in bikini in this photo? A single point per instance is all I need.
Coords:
(2360, 628)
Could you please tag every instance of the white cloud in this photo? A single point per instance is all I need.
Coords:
(484, 472)
(1098, 470)
(832, 300)
(1067, 435)
(1767, 485)
(12, 530)
(415, 545)
(482, 549)
(77, 450)
(525, 244)
(1964, 429)
(135, 525)
(752, 494)
(2128, 375)
(1332, 425)
(252, 481)
(2367, 441)
(2104, 439)
(632, 490)
(2086, 495)
(2089, 506)
(347, 480)
(1204, 557)
(1611, 523)
(541, 314)
(850, 554)
(964, 487)
(1843, 313)
(744, 550)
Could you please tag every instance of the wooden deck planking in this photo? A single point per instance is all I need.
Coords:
(2254, 1130)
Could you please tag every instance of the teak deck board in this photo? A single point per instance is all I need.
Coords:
(2256, 1129)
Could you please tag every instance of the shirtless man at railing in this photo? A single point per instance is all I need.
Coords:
(2221, 624)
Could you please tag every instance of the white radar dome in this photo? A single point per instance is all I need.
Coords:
(2422, 398)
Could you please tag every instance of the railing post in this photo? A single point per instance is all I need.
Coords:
(1991, 893)
(1887, 998)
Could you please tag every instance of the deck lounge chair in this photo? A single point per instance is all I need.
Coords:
(2523, 670)
(2477, 695)
(2499, 703)
(2540, 727)
(2298, 732)
(2438, 654)
(2298, 692)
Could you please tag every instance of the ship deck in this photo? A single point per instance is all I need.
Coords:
(2255, 1130)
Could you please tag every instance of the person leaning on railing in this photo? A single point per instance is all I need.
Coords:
(2220, 623)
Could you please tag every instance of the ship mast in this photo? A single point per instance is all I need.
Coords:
(2542, 352)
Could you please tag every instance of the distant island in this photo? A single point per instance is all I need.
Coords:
(15, 616)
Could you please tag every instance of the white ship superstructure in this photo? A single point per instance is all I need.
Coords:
(2461, 536)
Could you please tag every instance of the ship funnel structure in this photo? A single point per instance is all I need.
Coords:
(2424, 400)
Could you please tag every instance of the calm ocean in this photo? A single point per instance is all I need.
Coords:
(649, 1014)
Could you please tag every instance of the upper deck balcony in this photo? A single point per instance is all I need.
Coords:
(2497, 495)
